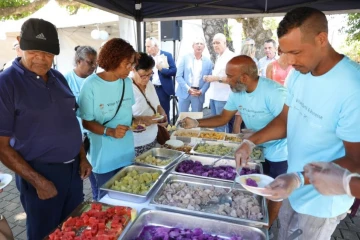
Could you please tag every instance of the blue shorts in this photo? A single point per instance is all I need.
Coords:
(274, 169)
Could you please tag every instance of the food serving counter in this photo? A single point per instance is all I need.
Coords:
(155, 213)
(170, 200)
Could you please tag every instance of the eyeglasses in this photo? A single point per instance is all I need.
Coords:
(144, 77)
(216, 43)
(131, 65)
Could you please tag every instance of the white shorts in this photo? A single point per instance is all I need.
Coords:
(313, 228)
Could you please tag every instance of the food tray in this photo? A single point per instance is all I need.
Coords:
(211, 136)
(160, 153)
(85, 206)
(209, 161)
(171, 219)
(185, 135)
(192, 181)
(131, 197)
(229, 137)
(227, 144)
(185, 149)
(230, 155)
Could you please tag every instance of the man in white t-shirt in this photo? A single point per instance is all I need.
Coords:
(270, 52)
(219, 89)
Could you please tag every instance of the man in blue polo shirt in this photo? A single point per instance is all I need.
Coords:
(40, 137)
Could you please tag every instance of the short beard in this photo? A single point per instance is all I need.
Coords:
(239, 87)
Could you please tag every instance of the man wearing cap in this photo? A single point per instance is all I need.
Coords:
(190, 73)
(18, 51)
(40, 137)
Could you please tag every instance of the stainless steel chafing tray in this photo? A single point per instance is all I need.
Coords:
(131, 197)
(162, 154)
(207, 183)
(211, 226)
(209, 161)
(231, 155)
(233, 146)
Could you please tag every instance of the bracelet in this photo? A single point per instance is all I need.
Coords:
(302, 179)
(104, 134)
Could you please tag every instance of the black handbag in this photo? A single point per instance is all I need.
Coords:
(86, 138)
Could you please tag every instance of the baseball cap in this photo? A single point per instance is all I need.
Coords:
(41, 35)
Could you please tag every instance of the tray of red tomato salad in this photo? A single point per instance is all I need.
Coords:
(94, 220)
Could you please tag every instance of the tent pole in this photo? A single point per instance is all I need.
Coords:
(138, 35)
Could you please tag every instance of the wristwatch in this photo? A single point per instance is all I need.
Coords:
(220, 80)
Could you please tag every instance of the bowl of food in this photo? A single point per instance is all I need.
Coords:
(138, 127)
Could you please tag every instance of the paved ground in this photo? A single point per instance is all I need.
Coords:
(11, 208)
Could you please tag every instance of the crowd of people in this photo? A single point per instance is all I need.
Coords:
(302, 105)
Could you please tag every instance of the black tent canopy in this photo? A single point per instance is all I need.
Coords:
(162, 10)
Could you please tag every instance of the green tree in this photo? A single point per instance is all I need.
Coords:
(17, 9)
(353, 29)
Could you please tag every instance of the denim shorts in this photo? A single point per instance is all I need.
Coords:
(274, 169)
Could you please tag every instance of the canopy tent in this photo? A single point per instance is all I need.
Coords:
(162, 10)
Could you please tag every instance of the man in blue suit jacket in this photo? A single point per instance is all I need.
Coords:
(190, 72)
(163, 72)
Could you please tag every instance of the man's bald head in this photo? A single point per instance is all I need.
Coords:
(310, 21)
(246, 65)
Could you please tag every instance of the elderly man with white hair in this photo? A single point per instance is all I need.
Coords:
(219, 89)
(164, 70)
(18, 52)
(191, 70)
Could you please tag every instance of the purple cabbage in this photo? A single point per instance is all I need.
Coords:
(223, 172)
(251, 182)
(162, 233)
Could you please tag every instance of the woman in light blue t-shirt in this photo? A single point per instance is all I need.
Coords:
(111, 141)
(85, 64)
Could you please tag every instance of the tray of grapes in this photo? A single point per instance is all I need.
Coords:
(133, 183)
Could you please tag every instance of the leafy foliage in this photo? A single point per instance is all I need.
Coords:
(15, 4)
(353, 26)
(17, 9)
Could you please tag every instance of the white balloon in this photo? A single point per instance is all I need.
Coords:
(104, 35)
(95, 34)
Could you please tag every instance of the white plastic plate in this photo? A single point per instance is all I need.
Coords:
(175, 143)
(158, 118)
(5, 179)
(261, 179)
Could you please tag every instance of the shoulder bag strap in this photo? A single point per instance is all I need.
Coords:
(121, 100)
(145, 98)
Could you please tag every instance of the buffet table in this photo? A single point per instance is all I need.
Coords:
(166, 190)
(151, 210)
